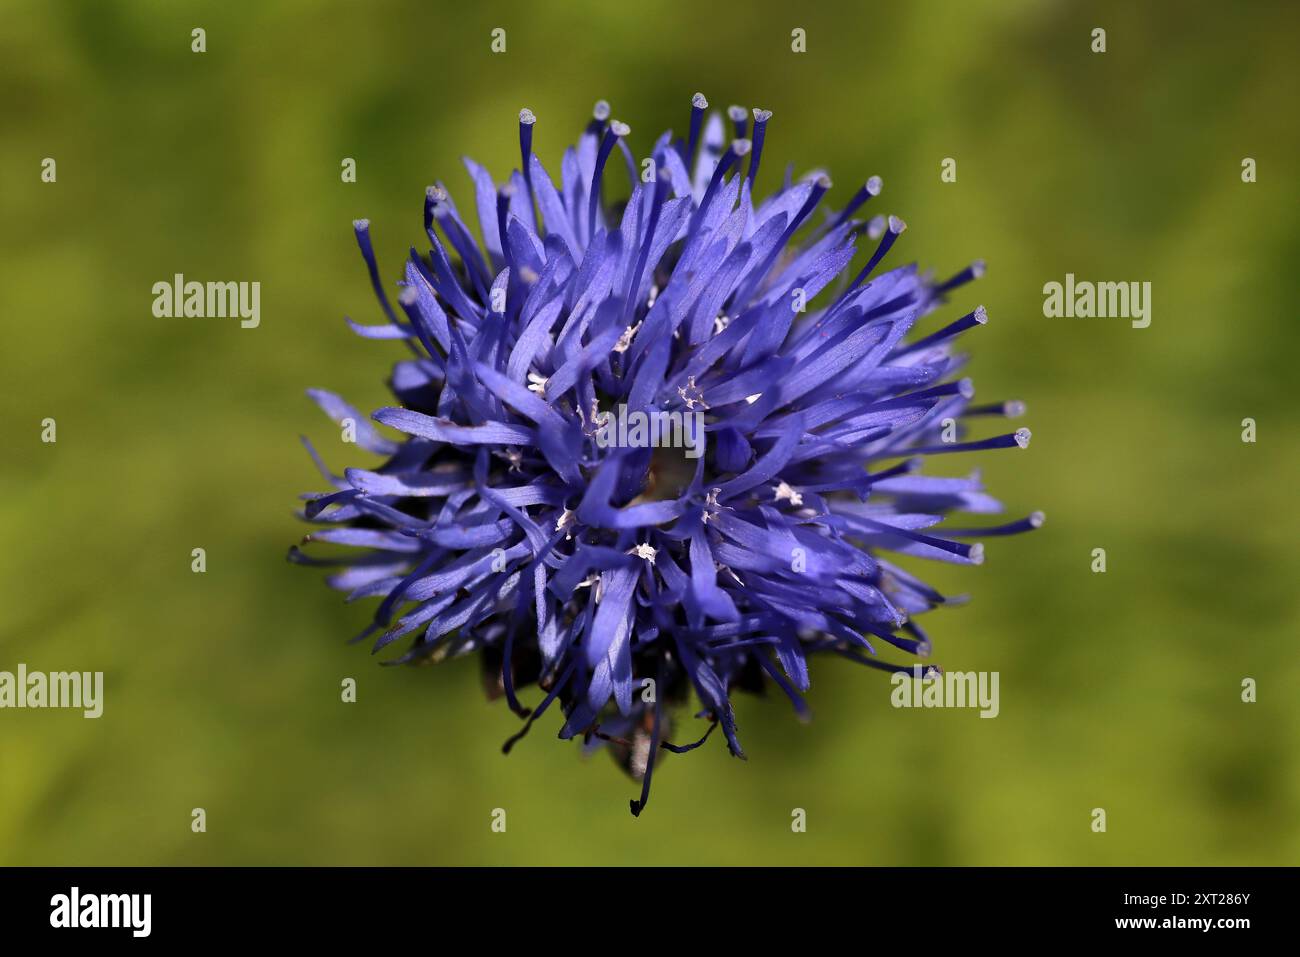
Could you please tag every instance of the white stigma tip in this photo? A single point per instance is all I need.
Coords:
(977, 268)
(408, 296)
(527, 117)
(601, 110)
(875, 185)
(1013, 409)
(824, 181)
(436, 194)
(876, 227)
(362, 224)
(762, 116)
(699, 102)
(896, 225)
(967, 388)
(981, 316)
(977, 554)
(620, 129)
(1036, 519)
(738, 114)
(1022, 438)
(741, 147)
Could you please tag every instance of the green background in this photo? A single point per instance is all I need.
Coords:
(1119, 691)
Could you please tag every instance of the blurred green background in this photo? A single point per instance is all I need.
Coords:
(1119, 691)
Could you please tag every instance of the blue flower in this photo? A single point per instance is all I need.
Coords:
(621, 577)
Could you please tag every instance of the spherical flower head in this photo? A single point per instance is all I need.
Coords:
(656, 449)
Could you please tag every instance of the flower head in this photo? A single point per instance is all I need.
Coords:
(620, 577)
